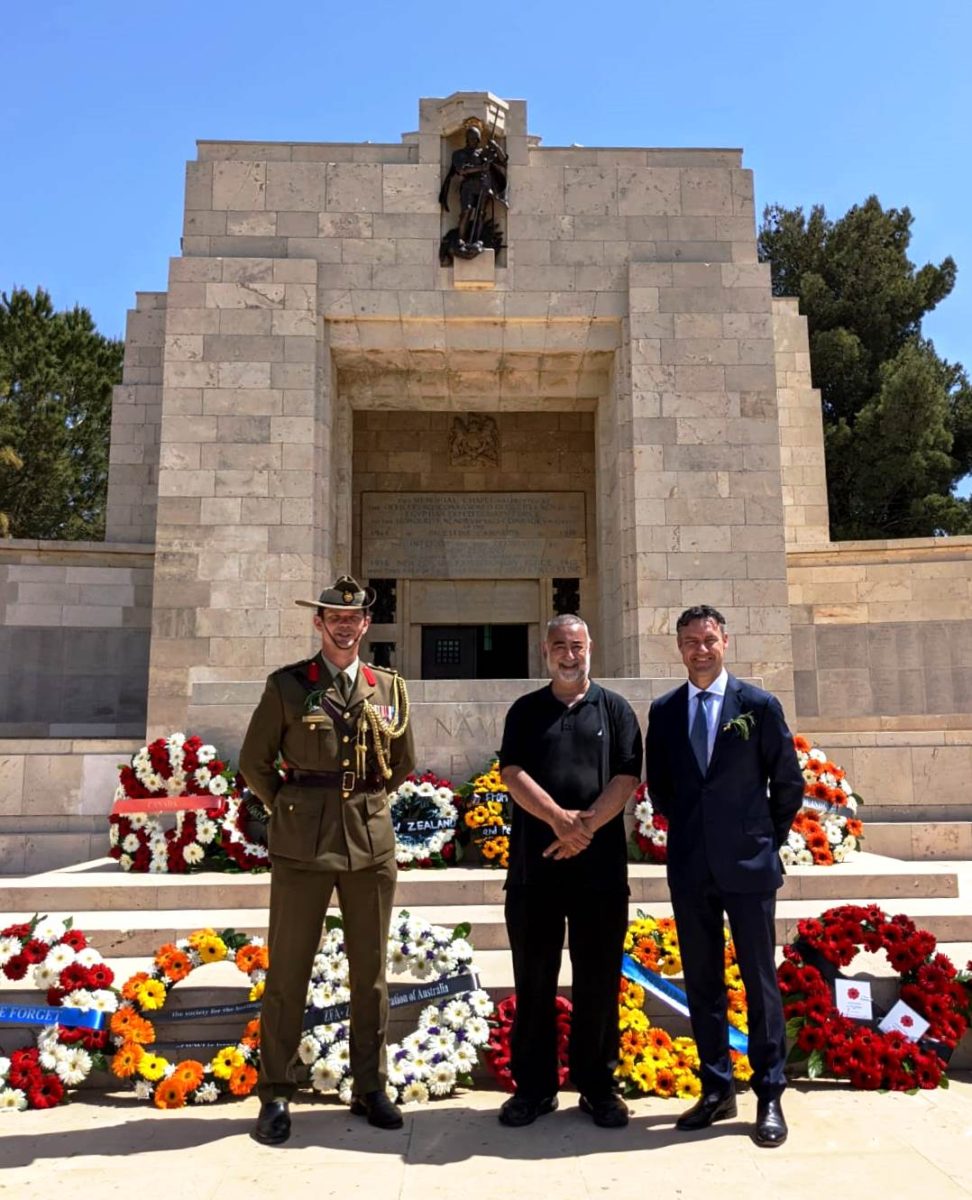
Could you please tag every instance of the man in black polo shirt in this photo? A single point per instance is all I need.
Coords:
(571, 757)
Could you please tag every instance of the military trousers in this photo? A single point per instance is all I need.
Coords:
(299, 899)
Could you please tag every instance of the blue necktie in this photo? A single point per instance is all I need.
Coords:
(699, 736)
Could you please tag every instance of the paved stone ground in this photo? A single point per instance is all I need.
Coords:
(849, 1144)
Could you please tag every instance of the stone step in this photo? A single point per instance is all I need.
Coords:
(920, 840)
(101, 885)
(125, 933)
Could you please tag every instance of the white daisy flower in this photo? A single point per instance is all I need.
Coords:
(477, 1031)
(219, 786)
(397, 959)
(206, 754)
(202, 776)
(415, 1093)
(103, 1000)
(323, 1077)
(143, 1089)
(420, 1065)
(206, 1093)
(421, 968)
(4, 1067)
(113, 834)
(130, 843)
(309, 1049)
(464, 1058)
(76, 1068)
(850, 842)
(154, 782)
(480, 1003)
(443, 1079)
(345, 1090)
(138, 820)
(83, 999)
(206, 831)
(339, 1057)
(44, 976)
(88, 957)
(193, 853)
(839, 853)
(9, 946)
(396, 1072)
(125, 862)
(462, 950)
(49, 929)
(456, 1013)
(787, 856)
(804, 858)
(442, 1042)
(12, 1100)
(413, 1042)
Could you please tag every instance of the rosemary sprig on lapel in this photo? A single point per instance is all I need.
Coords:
(742, 726)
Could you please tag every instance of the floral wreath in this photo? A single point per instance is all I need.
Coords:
(826, 829)
(440, 1053)
(650, 1059)
(423, 811)
(210, 836)
(501, 1028)
(237, 844)
(648, 840)
(485, 807)
(74, 975)
(829, 1043)
(232, 1069)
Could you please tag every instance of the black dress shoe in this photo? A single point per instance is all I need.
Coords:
(273, 1123)
(771, 1127)
(519, 1111)
(713, 1107)
(378, 1109)
(611, 1112)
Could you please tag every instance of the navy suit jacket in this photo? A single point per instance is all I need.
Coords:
(730, 822)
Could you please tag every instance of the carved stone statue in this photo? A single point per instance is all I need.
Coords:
(474, 441)
(482, 181)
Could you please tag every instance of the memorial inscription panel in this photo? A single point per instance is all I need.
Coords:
(473, 535)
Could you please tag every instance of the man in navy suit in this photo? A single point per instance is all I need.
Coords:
(722, 768)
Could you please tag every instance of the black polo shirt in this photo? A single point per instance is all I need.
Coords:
(572, 753)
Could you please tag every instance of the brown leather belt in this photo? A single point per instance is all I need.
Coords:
(345, 781)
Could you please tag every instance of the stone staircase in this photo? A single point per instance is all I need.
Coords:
(127, 917)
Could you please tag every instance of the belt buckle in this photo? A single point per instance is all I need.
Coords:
(347, 781)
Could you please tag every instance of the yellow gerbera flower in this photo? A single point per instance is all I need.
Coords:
(151, 994)
(211, 949)
(226, 1061)
(152, 1066)
(256, 992)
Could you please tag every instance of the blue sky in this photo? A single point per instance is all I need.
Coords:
(103, 101)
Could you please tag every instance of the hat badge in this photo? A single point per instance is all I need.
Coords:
(347, 597)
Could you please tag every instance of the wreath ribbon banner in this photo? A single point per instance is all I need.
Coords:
(673, 996)
(163, 804)
(32, 1014)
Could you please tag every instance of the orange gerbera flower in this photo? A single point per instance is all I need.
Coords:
(855, 827)
(665, 1082)
(125, 1062)
(631, 1043)
(801, 743)
(164, 952)
(666, 925)
(243, 1080)
(177, 966)
(819, 791)
(823, 857)
(188, 1074)
(252, 958)
(658, 1040)
(169, 1094)
(130, 986)
(122, 1020)
(251, 1034)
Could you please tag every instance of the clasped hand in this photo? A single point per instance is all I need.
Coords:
(574, 830)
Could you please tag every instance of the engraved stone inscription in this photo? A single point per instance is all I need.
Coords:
(473, 535)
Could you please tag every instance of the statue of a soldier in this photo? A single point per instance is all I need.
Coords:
(482, 181)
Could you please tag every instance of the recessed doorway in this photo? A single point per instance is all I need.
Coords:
(475, 652)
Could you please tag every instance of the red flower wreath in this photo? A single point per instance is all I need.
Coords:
(497, 1051)
(832, 1044)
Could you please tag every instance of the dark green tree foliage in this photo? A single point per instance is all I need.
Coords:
(56, 376)
(897, 417)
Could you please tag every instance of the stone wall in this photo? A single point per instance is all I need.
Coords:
(882, 633)
(74, 639)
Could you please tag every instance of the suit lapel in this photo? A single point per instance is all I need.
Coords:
(362, 690)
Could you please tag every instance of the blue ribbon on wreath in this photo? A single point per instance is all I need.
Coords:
(42, 1014)
(672, 996)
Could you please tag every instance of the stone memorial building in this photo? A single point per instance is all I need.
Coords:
(603, 409)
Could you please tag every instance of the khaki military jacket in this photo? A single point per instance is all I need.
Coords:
(317, 827)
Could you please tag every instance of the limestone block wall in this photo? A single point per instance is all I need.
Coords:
(74, 635)
(136, 409)
(882, 633)
(242, 472)
(802, 462)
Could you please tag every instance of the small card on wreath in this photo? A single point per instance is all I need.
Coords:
(853, 998)
(905, 1020)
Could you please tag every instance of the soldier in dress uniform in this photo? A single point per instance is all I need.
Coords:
(341, 729)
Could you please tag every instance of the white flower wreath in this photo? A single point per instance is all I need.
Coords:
(424, 814)
(440, 1053)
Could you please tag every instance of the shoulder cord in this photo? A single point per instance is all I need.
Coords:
(383, 732)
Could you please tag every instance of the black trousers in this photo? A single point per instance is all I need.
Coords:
(699, 917)
(596, 921)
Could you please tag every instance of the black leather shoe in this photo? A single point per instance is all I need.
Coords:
(378, 1109)
(609, 1113)
(771, 1127)
(712, 1107)
(273, 1123)
(518, 1110)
